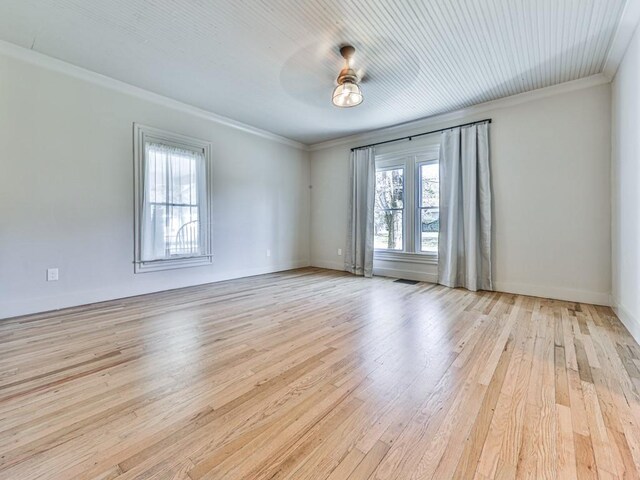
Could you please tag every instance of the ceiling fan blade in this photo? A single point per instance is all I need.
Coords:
(362, 74)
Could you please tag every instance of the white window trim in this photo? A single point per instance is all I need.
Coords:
(141, 135)
(407, 159)
(407, 257)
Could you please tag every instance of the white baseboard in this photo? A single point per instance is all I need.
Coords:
(557, 293)
(416, 275)
(628, 320)
(74, 299)
(329, 264)
(424, 275)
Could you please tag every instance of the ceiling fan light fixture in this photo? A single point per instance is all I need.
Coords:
(347, 93)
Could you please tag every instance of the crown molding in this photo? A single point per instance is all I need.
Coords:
(41, 60)
(474, 110)
(622, 37)
(632, 10)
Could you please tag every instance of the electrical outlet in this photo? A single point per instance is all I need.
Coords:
(268, 252)
(339, 252)
(52, 274)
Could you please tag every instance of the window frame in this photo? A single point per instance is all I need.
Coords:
(144, 134)
(410, 160)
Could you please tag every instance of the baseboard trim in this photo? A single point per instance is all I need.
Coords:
(328, 264)
(566, 294)
(628, 320)
(77, 299)
(557, 293)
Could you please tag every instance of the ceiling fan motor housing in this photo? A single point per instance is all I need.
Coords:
(347, 93)
(347, 75)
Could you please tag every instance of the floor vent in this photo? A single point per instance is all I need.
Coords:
(408, 282)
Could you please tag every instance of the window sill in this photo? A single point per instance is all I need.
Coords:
(172, 263)
(425, 258)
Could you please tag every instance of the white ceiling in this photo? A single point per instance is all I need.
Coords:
(273, 63)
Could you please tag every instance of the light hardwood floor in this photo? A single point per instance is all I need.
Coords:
(313, 374)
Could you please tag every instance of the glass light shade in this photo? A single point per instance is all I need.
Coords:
(347, 94)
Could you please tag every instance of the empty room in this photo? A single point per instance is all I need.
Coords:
(344, 240)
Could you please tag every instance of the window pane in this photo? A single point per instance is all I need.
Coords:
(172, 231)
(156, 176)
(387, 229)
(430, 185)
(183, 186)
(429, 228)
(388, 218)
(182, 234)
(171, 223)
(389, 188)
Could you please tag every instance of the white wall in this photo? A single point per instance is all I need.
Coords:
(66, 193)
(550, 162)
(625, 175)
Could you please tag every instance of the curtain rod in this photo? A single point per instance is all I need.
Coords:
(410, 137)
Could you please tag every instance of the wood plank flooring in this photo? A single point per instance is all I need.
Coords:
(314, 374)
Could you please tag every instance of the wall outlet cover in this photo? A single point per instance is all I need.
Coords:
(52, 274)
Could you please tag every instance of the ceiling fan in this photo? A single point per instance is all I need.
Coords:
(347, 93)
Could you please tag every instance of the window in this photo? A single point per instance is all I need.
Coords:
(406, 216)
(172, 200)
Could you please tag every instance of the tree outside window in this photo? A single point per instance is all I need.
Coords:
(389, 205)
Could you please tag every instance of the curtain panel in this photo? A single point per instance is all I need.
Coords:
(174, 209)
(464, 248)
(359, 250)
